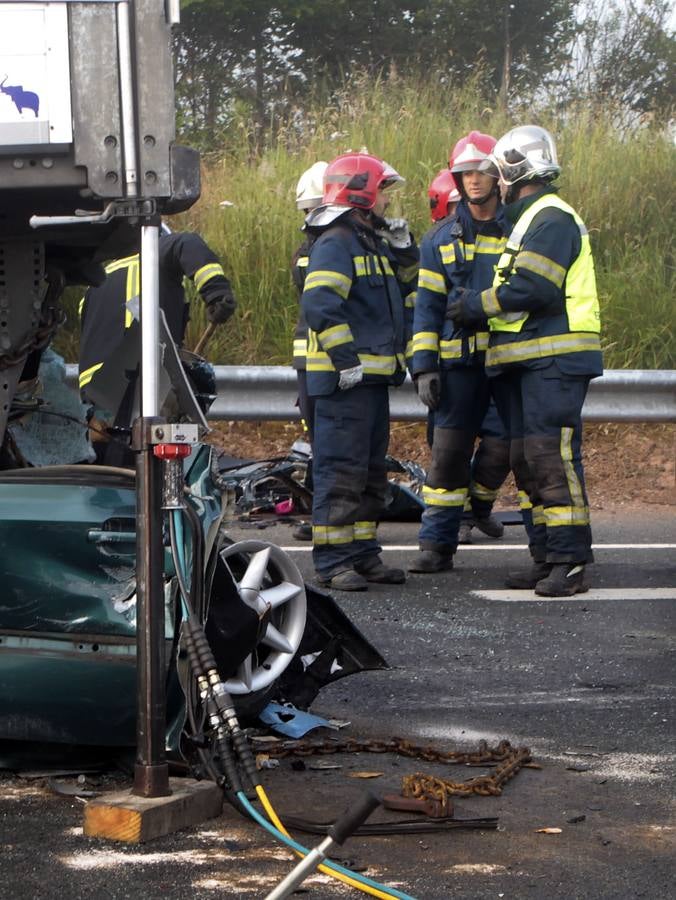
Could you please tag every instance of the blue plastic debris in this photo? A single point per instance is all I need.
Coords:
(290, 721)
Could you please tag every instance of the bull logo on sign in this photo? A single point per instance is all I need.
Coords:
(21, 99)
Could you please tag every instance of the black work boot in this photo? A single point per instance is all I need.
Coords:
(490, 525)
(564, 580)
(343, 580)
(374, 569)
(526, 579)
(302, 532)
(465, 533)
(431, 561)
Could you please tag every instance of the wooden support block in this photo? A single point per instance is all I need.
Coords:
(122, 816)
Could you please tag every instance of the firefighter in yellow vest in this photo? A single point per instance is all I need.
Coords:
(544, 348)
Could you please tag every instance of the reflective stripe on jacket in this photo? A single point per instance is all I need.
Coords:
(108, 310)
(299, 263)
(354, 307)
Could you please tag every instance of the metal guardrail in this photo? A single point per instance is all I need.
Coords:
(268, 393)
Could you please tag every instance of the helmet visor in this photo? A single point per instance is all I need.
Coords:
(390, 178)
(489, 166)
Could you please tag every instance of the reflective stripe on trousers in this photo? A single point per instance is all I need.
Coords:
(542, 409)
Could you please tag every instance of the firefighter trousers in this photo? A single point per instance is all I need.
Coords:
(490, 464)
(351, 435)
(465, 396)
(542, 412)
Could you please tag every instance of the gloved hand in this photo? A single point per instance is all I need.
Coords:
(461, 313)
(220, 307)
(397, 234)
(348, 378)
(428, 386)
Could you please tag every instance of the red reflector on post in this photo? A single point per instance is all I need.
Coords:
(172, 451)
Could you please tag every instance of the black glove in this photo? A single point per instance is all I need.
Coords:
(428, 386)
(220, 307)
(454, 312)
(461, 314)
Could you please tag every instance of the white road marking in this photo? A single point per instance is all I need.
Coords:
(514, 596)
(400, 548)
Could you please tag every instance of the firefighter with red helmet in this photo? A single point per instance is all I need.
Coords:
(444, 195)
(490, 463)
(447, 362)
(542, 311)
(354, 304)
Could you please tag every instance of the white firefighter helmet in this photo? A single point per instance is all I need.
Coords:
(310, 187)
(523, 154)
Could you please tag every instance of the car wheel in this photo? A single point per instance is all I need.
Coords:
(270, 586)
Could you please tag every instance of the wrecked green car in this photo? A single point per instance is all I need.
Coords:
(68, 609)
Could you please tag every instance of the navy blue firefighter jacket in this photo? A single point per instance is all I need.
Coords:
(459, 252)
(356, 308)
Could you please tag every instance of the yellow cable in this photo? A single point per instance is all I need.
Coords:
(327, 870)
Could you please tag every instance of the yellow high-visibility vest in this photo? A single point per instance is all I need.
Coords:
(579, 283)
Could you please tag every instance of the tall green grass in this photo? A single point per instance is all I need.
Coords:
(622, 185)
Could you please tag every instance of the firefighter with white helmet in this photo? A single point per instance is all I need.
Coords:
(543, 314)
(309, 193)
(354, 305)
(447, 361)
(310, 187)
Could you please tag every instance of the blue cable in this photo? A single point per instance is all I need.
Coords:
(241, 796)
(177, 517)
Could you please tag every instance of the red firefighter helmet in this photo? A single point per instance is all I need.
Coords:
(354, 179)
(442, 191)
(469, 152)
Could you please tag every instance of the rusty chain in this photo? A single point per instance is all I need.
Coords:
(506, 758)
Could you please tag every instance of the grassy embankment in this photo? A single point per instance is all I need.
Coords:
(622, 185)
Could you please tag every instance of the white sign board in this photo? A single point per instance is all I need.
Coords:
(34, 74)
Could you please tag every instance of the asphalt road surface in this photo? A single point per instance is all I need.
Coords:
(586, 683)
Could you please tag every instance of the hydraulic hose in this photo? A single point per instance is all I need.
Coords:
(197, 568)
(222, 714)
(231, 741)
(178, 553)
(340, 830)
(360, 882)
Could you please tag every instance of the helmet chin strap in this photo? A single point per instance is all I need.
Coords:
(512, 193)
(367, 218)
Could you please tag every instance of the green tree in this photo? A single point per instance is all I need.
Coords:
(625, 57)
(232, 56)
(259, 57)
